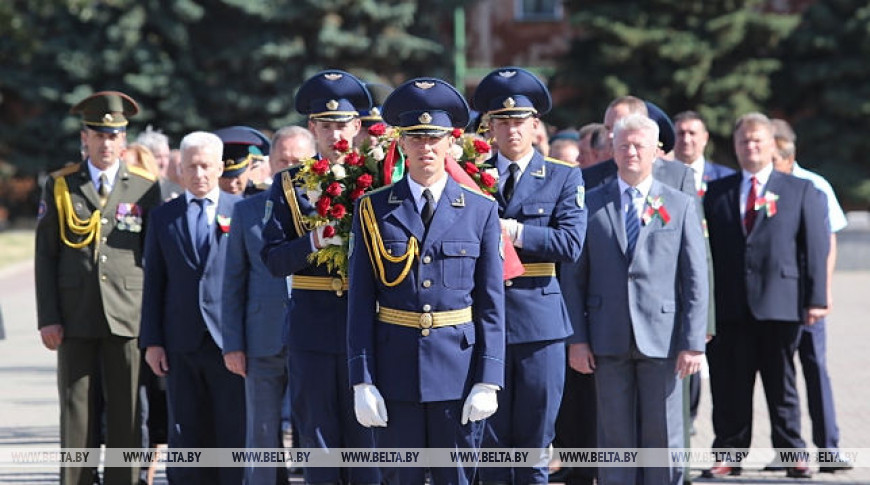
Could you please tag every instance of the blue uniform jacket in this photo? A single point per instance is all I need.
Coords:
(459, 266)
(317, 318)
(181, 300)
(549, 202)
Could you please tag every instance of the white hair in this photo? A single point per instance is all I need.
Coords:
(153, 139)
(202, 140)
(637, 122)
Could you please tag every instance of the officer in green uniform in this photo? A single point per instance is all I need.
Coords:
(89, 242)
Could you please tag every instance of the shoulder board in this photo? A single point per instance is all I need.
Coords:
(476, 191)
(73, 168)
(145, 174)
(559, 162)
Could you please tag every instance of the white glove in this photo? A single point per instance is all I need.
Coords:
(481, 403)
(368, 405)
(326, 241)
(514, 231)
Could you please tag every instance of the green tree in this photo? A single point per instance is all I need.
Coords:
(823, 90)
(712, 57)
(194, 64)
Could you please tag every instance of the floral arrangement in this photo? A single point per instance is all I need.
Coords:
(655, 207)
(332, 188)
(471, 153)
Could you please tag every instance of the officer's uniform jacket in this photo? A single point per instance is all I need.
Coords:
(549, 201)
(317, 318)
(95, 290)
(459, 266)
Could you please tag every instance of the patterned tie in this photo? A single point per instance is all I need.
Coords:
(750, 213)
(428, 209)
(201, 239)
(511, 182)
(104, 188)
(632, 223)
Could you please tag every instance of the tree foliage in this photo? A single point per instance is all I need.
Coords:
(712, 57)
(823, 89)
(194, 64)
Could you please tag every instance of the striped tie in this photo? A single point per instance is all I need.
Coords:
(632, 223)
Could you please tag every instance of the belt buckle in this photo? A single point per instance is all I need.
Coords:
(426, 320)
(336, 285)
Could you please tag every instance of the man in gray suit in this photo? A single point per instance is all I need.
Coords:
(254, 306)
(638, 302)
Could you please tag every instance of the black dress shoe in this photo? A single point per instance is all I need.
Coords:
(774, 466)
(800, 470)
(720, 470)
(832, 462)
(559, 475)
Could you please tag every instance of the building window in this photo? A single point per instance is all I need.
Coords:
(538, 10)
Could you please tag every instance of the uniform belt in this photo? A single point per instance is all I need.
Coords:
(425, 320)
(538, 269)
(320, 283)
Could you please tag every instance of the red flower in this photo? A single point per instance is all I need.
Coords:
(471, 168)
(364, 181)
(328, 231)
(377, 129)
(338, 211)
(320, 167)
(456, 133)
(356, 194)
(487, 179)
(341, 146)
(353, 159)
(323, 206)
(481, 146)
(334, 189)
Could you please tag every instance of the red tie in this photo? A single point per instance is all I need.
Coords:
(750, 213)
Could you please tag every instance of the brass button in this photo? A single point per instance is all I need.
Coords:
(389, 251)
(427, 308)
(540, 210)
(426, 320)
(509, 283)
(103, 277)
(427, 259)
(103, 258)
(424, 332)
(104, 221)
(427, 283)
(104, 239)
(461, 251)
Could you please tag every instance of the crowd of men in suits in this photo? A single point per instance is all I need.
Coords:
(635, 253)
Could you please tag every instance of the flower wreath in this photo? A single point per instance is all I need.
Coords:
(332, 188)
(469, 152)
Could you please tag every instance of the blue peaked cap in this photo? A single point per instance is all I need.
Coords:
(242, 146)
(426, 106)
(512, 92)
(332, 95)
(667, 133)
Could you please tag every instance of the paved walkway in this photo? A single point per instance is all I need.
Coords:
(29, 409)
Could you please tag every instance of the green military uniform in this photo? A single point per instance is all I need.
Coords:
(89, 281)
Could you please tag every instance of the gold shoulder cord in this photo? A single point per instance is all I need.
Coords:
(375, 246)
(293, 204)
(89, 228)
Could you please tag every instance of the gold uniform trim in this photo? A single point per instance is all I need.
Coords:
(424, 320)
(295, 213)
(426, 127)
(559, 162)
(88, 229)
(538, 270)
(333, 113)
(319, 283)
(145, 174)
(375, 246)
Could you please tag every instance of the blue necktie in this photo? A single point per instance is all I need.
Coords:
(200, 238)
(632, 223)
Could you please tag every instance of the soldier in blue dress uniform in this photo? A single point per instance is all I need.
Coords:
(321, 399)
(541, 206)
(426, 310)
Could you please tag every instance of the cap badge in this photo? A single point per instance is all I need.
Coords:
(332, 104)
(509, 103)
(375, 111)
(332, 76)
(424, 84)
(425, 118)
(507, 73)
(108, 118)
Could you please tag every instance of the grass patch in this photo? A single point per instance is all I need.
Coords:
(16, 245)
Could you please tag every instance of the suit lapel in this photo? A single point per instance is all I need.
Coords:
(614, 212)
(87, 186)
(185, 239)
(446, 212)
(533, 178)
(655, 222)
(223, 212)
(405, 210)
(773, 187)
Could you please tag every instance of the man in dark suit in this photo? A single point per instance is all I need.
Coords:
(638, 302)
(770, 241)
(691, 140)
(320, 397)
(541, 206)
(89, 243)
(185, 253)
(426, 345)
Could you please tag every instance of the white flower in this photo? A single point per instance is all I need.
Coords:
(455, 152)
(338, 171)
(493, 172)
(377, 152)
(313, 195)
